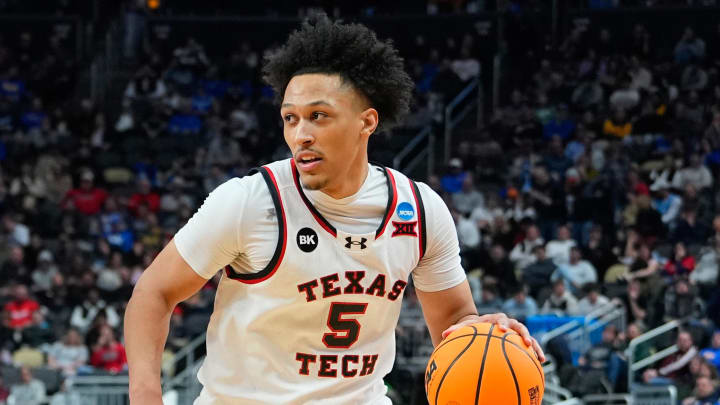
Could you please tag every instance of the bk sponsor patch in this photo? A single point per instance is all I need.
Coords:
(307, 240)
(404, 229)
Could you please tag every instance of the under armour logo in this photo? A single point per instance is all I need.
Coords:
(350, 243)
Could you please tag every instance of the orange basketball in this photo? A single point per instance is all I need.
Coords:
(479, 365)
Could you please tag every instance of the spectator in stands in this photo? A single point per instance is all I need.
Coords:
(146, 83)
(453, 180)
(29, 391)
(537, 274)
(35, 117)
(498, 270)
(706, 392)
(599, 251)
(548, 198)
(690, 48)
(4, 391)
(21, 308)
(559, 249)
(65, 396)
(676, 367)
(523, 253)
(488, 299)
(665, 202)
(681, 263)
(86, 199)
(625, 98)
(561, 125)
(688, 230)
(84, 314)
(598, 356)
(144, 196)
(13, 269)
(706, 270)
(45, 272)
(592, 300)
(468, 198)
(38, 332)
(618, 126)
(69, 354)
(712, 353)
(576, 272)
(520, 305)
(555, 160)
(560, 302)
(682, 301)
(695, 173)
(17, 232)
(108, 354)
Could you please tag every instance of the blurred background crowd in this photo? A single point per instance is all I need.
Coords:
(593, 179)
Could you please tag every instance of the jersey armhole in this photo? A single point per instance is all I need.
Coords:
(274, 263)
(422, 238)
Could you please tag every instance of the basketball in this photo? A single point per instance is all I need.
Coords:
(479, 364)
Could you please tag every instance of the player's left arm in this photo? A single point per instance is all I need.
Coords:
(440, 282)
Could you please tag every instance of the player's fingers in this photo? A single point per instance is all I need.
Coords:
(521, 330)
(450, 330)
(538, 351)
(502, 321)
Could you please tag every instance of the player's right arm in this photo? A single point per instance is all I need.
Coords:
(210, 240)
(166, 282)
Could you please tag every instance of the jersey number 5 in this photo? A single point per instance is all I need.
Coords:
(344, 331)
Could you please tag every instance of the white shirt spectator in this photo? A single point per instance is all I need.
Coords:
(468, 233)
(706, 270)
(577, 274)
(587, 305)
(522, 253)
(466, 68)
(467, 201)
(559, 250)
(641, 79)
(83, 315)
(624, 98)
(700, 177)
(30, 393)
(565, 304)
(67, 357)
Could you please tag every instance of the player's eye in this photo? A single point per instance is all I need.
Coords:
(289, 118)
(317, 115)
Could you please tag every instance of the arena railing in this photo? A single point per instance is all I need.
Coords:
(182, 387)
(424, 134)
(635, 365)
(453, 119)
(579, 334)
(554, 394)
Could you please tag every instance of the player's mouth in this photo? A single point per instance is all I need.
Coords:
(307, 161)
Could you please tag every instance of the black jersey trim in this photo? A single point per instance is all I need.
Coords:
(325, 224)
(274, 263)
(422, 240)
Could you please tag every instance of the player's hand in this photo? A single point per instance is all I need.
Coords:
(504, 324)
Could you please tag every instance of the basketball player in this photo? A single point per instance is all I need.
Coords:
(316, 250)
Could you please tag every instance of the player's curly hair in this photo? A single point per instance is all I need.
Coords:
(352, 51)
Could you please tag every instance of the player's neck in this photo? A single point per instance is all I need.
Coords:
(350, 183)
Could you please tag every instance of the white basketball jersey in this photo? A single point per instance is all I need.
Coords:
(317, 325)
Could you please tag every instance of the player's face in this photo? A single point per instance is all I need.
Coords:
(327, 124)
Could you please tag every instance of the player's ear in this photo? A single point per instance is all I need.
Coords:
(369, 119)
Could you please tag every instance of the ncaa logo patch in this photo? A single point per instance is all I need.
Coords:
(307, 240)
(405, 211)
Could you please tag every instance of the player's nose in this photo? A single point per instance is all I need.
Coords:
(303, 133)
